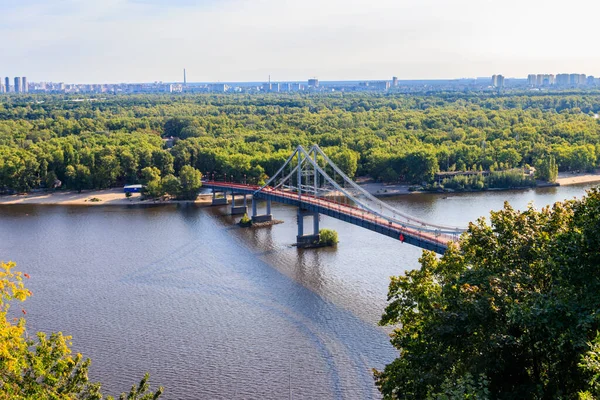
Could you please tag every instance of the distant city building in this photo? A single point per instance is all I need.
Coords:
(591, 81)
(24, 87)
(540, 80)
(562, 80)
(266, 87)
(394, 81)
(380, 85)
(498, 81)
(2, 89)
(7, 84)
(17, 84)
(218, 87)
(313, 83)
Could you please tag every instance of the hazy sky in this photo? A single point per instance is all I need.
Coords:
(246, 40)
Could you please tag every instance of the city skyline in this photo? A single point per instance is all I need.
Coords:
(146, 41)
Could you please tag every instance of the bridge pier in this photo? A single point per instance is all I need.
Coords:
(268, 217)
(219, 201)
(303, 240)
(238, 210)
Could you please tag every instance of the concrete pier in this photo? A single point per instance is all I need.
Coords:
(267, 217)
(303, 240)
(219, 201)
(238, 210)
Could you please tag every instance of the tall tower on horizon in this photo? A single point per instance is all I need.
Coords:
(184, 78)
(17, 84)
(7, 84)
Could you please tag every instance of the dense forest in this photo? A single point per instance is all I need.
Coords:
(99, 142)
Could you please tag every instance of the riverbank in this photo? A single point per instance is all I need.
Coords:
(379, 189)
(91, 198)
(566, 178)
(117, 197)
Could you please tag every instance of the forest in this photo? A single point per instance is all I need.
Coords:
(106, 141)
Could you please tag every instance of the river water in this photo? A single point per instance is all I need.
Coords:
(213, 311)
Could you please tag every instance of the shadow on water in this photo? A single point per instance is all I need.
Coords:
(347, 346)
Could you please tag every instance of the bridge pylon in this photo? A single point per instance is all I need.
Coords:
(238, 210)
(258, 218)
(219, 201)
(303, 240)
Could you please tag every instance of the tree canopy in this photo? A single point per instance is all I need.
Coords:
(390, 137)
(511, 312)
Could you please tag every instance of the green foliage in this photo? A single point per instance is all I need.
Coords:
(392, 137)
(494, 180)
(590, 363)
(512, 307)
(150, 174)
(191, 182)
(44, 368)
(547, 169)
(328, 237)
(509, 179)
(171, 186)
(245, 220)
(154, 189)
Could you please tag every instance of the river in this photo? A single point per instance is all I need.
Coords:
(213, 311)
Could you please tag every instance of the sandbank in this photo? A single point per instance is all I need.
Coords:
(87, 198)
(566, 178)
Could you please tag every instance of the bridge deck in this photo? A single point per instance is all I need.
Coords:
(354, 215)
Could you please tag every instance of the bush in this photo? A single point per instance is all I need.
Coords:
(329, 237)
(245, 221)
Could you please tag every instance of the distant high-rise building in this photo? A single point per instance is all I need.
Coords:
(313, 83)
(562, 80)
(7, 84)
(24, 87)
(17, 84)
(394, 81)
(498, 81)
(2, 89)
(532, 80)
(591, 81)
(184, 78)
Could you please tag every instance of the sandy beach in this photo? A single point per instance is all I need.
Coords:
(566, 178)
(89, 198)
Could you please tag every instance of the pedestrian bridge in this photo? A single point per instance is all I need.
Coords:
(310, 181)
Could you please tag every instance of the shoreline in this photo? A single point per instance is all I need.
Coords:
(566, 179)
(105, 197)
(116, 196)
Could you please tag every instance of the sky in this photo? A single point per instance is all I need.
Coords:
(110, 41)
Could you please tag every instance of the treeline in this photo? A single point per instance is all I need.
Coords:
(497, 180)
(107, 141)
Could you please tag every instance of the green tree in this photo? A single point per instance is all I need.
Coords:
(150, 174)
(154, 189)
(78, 177)
(512, 309)
(191, 182)
(171, 186)
(546, 169)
